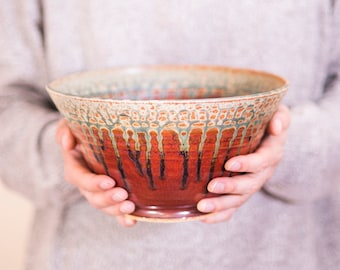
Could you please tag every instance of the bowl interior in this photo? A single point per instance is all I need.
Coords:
(166, 83)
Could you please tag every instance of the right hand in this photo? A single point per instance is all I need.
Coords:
(99, 190)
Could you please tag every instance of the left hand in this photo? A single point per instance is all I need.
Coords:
(259, 167)
(99, 190)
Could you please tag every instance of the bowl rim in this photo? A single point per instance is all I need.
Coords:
(51, 86)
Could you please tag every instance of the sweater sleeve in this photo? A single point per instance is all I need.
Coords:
(31, 162)
(310, 168)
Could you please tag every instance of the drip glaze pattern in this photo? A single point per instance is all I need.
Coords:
(164, 132)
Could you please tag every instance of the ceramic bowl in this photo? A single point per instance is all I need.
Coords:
(163, 132)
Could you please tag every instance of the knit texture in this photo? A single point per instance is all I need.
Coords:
(292, 223)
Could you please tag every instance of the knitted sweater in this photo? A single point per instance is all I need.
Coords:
(292, 223)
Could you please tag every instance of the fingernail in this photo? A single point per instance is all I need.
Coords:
(218, 187)
(126, 208)
(118, 197)
(129, 221)
(206, 207)
(278, 126)
(107, 184)
(235, 166)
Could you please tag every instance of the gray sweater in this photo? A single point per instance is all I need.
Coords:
(292, 223)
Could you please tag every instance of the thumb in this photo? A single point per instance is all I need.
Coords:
(64, 136)
(280, 121)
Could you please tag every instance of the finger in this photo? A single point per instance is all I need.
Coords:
(126, 221)
(254, 162)
(280, 121)
(270, 151)
(268, 154)
(78, 174)
(219, 216)
(64, 136)
(221, 203)
(239, 184)
(105, 199)
(119, 209)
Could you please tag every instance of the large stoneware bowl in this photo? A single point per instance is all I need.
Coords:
(163, 132)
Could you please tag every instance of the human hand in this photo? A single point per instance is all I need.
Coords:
(258, 167)
(99, 190)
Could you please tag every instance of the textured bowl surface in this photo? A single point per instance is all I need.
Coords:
(163, 132)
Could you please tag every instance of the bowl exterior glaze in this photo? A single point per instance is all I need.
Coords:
(163, 150)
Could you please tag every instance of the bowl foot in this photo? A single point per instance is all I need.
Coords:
(167, 215)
